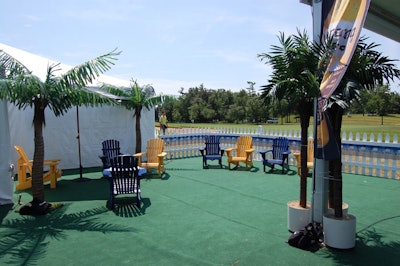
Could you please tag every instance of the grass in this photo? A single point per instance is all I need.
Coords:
(354, 123)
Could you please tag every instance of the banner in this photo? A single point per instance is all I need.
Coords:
(342, 20)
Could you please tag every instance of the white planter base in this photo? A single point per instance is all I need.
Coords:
(298, 217)
(340, 233)
(345, 210)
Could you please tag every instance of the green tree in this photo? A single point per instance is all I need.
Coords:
(136, 98)
(379, 101)
(57, 93)
(394, 102)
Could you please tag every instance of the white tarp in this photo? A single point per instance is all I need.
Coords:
(6, 184)
(60, 133)
(95, 123)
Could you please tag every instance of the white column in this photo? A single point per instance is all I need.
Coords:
(319, 202)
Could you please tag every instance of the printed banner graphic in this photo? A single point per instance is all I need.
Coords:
(342, 20)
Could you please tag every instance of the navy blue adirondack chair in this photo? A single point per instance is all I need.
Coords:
(280, 154)
(212, 150)
(110, 150)
(124, 179)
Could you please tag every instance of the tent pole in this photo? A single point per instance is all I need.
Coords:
(81, 178)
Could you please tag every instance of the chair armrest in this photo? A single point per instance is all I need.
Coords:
(263, 153)
(286, 152)
(249, 150)
(202, 151)
(140, 154)
(139, 157)
(229, 150)
(51, 162)
(162, 155)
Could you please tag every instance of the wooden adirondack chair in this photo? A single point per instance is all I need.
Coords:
(25, 170)
(212, 150)
(124, 179)
(110, 150)
(280, 154)
(310, 156)
(154, 156)
(244, 152)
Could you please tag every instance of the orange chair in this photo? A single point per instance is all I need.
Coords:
(25, 169)
(244, 152)
(154, 156)
(310, 156)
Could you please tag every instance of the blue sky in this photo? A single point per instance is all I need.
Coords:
(170, 44)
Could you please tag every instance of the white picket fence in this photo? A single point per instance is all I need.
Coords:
(361, 153)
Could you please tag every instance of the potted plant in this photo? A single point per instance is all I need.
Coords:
(367, 69)
(294, 78)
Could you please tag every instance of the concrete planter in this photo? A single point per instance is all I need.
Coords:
(345, 209)
(340, 233)
(298, 217)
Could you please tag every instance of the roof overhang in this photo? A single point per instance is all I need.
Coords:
(383, 18)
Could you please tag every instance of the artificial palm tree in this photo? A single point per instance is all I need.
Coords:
(367, 69)
(136, 98)
(294, 78)
(57, 93)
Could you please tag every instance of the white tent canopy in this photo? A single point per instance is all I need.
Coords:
(60, 133)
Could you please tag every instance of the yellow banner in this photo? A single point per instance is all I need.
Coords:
(344, 24)
(342, 21)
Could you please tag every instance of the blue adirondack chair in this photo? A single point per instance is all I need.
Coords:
(124, 178)
(110, 150)
(212, 150)
(280, 154)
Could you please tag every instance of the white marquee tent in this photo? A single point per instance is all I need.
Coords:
(60, 133)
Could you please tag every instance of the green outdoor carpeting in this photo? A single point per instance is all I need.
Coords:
(195, 216)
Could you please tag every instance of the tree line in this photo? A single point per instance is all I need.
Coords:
(202, 105)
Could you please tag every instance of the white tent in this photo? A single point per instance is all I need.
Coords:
(60, 133)
(6, 185)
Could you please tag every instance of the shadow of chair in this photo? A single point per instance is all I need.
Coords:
(25, 170)
(244, 152)
(310, 157)
(124, 179)
(212, 150)
(111, 149)
(154, 154)
(280, 154)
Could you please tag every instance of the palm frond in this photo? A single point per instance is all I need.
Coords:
(10, 67)
(87, 72)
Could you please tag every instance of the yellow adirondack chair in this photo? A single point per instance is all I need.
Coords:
(25, 167)
(244, 152)
(154, 156)
(310, 156)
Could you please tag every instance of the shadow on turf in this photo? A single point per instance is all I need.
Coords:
(277, 171)
(126, 207)
(370, 249)
(24, 241)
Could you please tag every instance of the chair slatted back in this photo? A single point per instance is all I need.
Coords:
(23, 158)
(279, 145)
(212, 145)
(244, 143)
(124, 172)
(153, 148)
(111, 149)
(310, 150)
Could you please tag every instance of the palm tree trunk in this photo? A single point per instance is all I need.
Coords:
(305, 109)
(38, 155)
(335, 166)
(138, 131)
